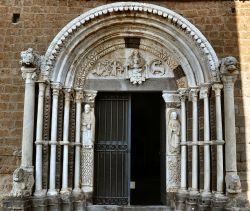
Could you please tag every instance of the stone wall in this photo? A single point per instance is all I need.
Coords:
(224, 23)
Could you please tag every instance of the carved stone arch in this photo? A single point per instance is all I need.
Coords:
(199, 61)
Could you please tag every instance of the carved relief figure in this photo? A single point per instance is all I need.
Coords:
(157, 67)
(88, 125)
(136, 68)
(174, 133)
(108, 68)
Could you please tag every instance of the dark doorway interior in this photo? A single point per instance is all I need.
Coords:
(145, 148)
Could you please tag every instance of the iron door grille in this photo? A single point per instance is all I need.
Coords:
(112, 149)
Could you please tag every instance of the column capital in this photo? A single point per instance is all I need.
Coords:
(183, 92)
(56, 87)
(193, 93)
(79, 95)
(89, 96)
(204, 90)
(29, 74)
(171, 98)
(217, 87)
(67, 92)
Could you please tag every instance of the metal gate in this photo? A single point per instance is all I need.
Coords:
(112, 149)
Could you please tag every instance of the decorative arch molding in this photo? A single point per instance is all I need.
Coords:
(200, 62)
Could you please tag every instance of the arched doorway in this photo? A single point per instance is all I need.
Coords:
(120, 47)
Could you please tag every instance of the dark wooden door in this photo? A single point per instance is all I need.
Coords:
(112, 149)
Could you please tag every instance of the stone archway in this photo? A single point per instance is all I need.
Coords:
(130, 45)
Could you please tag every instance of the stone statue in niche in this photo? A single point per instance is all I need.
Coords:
(174, 127)
(88, 125)
(136, 68)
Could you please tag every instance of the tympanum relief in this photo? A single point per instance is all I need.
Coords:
(112, 60)
(132, 64)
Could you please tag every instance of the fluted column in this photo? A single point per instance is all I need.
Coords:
(78, 100)
(207, 171)
(229, 74)
(39, 141)
(65, 189)
(88, 139)
(194, 97)
(29, 74)
(53, 142)
(219, 136)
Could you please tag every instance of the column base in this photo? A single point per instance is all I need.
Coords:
(204, 201)
(66, 191)
(192, 201)
(88, 196)
(39, 203)
(40, 193)
(52, 192)
(219, 202)
(15, 203)
(180, 199)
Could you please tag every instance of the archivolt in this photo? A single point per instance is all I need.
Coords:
(162, 25)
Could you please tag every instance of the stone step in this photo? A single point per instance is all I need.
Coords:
(127, 208)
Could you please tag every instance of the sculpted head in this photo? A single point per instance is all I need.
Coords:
(173, 115)
(87, 108)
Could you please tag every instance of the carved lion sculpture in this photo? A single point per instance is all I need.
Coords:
(228, 65)
(23, 182)
(233, 184)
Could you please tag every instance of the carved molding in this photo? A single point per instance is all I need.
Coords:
(171, 17)
(89, 96)
(173, 173)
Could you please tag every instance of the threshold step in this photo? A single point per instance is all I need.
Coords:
(127, 208)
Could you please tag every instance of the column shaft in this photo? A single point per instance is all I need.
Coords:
(28, 118)
(194, 93)
(39, 139)
(53, 142)
(219, 136)
(207, 170)
(79, 96)
(65, 142)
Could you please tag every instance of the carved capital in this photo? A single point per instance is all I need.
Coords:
(193, 94)
(89, 96)
(78, 95)
(204, 91)
(56, 87)
(67, 93)
(31, 59)
(171, 98)
(229, 80)
(183, 92)
(217, 89)
(29, 74)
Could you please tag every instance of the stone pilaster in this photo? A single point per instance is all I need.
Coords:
(173, 139)
(88, 139)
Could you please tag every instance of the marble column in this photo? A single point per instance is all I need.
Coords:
(219, 136)
(65, 189)
(29, 74)
(173, 135)
(53, 142)
(182, 192)
(229, 74)
(204, 91)
(194, 97)
(88, 139)
(39, 141)
(78, 100)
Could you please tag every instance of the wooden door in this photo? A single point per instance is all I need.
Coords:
(112, 148)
